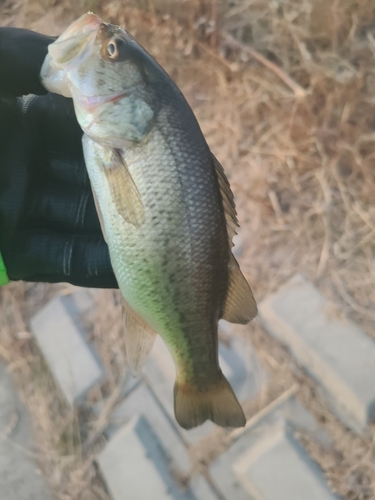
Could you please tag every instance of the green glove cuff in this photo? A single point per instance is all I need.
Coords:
(3, 273)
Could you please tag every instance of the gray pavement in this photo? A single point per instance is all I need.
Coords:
(264, 461)
(336, 352)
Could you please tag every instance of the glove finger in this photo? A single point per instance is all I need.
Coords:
(50, 257)
(57, 145)
(63, 209)
(56, 119)
(22, 53)
(64, 169)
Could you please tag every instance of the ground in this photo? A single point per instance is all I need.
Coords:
(295, 134)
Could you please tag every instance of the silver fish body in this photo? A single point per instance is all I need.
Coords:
(166, 208)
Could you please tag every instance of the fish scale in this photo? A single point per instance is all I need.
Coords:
(166, 210)
(136, 250)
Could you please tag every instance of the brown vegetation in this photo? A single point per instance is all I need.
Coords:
(285, 94)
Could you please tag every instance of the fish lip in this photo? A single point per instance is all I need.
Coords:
(84, 25)
(75, 37)
(91, 102)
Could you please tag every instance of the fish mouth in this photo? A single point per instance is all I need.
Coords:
(86, 23)
(90, 103)
(73, 40)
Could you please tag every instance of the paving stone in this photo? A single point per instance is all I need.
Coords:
(129, 385)
(20, 478)
(286, 411)
(239, 364)
(83, 299)
(269, 464)
(61, 339)
(143, 403)
(291, 410)
(135, 464)
(337, 353)
(201, 489)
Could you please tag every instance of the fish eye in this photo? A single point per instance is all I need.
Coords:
(112, 49)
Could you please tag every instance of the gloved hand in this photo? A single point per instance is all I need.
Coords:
(49, 229)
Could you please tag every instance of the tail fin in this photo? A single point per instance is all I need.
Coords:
(193, 406)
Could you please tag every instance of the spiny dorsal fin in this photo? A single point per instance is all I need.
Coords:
(228, 201)
(240, 306)
(124, 192)
(139, 339)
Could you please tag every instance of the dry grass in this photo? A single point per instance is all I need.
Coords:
(298, 144)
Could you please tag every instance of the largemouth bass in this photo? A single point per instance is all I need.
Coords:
(166, 209)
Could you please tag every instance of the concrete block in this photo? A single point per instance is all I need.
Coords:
(271, 465)
(79, 302)
(241, 365)
(201, 489)
(142, 402)
(142, 413)
(134, 465)
(337, 353)
(291, 410)
(280, 456)
(130, 383)
(70, 358)
(20, 478)
(238, 362)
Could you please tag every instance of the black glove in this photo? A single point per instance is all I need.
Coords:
(22, 53)
(49, 229)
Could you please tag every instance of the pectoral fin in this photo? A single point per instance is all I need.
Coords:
(240, 306)
(100, 215)
(124, 192)
(139, 339)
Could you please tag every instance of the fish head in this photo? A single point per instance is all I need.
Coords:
(100, 66)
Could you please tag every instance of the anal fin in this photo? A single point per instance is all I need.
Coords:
(240, 306)
(139, 339)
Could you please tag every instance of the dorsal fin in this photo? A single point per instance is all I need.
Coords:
(228, 201)
(240, 305)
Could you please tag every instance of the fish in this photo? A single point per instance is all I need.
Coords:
(166, 210)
